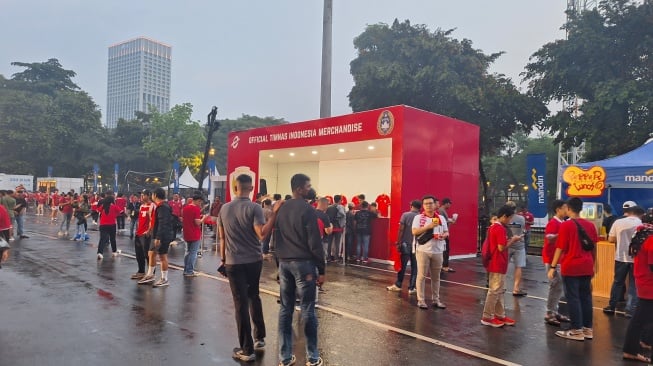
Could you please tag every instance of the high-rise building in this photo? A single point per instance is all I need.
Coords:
(138, 77)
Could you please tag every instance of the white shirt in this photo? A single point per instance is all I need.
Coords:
(433, 246)
(624, 229)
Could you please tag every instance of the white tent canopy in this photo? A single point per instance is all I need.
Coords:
(186, 180)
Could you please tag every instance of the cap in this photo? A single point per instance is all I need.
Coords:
(446, 200)
(629, 204)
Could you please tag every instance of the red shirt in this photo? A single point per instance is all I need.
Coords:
(109, 218)
(343, 200)
(576, 261)
(529, 218)
(642, 270)
(176, 207)
(5, 219)
(55, 199)
(383, 203)
(41, 198)
(144, 218)
(66, 203)
(192, 231)
(121, 202)
(498, 236)
(549, 248)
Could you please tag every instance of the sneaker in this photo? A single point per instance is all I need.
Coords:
(588, 333)
(494, 322)
(24, 236)
(507, 321)
(99, 256)
(193, 274)
(439, 305)
(137, 276)
(365, 261)
(290, 362)
(146, 280)
(164, 283)
(412, 291)
(317, 362)
(608, 310)
(393, 288)
(573, 334)
(259, 345)
(422, 305)
(114, 254)
(240, 355)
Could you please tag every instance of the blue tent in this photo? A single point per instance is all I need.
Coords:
(629, 177)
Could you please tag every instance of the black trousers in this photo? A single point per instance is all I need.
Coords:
(121, 221)
(141, 247)
(244, 283)
(107, 234)
(639, 327)
(445, 254)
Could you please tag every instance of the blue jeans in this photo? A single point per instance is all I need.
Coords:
(405, 257)
(364, 241)
(297, 277)
(621, 270)
(20, 220)
(578, 291)
(191, 256)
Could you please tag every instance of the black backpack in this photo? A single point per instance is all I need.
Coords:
(642, 233)
(332, 212)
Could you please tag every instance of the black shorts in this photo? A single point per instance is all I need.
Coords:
(162, 248)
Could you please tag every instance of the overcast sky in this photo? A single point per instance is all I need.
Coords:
(256, 57)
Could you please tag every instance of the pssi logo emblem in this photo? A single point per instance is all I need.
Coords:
(385, 123)
(234, 142)
(646, 178)
(584, 182)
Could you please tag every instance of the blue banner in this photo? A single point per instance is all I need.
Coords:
(49, 171)
(115, 178)
(211, 173)
(536, 173)
(175, 169)
(96, 169)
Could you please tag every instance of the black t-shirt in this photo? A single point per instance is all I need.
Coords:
(363, 220)
(608, 221)
(322, 216)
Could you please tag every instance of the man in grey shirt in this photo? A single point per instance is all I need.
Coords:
(241, 228)
(517, 251)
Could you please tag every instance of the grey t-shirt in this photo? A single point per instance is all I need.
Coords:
(517, 225)
(407, 220)
(238, 218)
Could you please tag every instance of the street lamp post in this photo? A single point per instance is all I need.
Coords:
(212, 125)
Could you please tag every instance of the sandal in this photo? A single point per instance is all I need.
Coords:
(637, 357)
(552, 320)
(645, 346)
(562, 318)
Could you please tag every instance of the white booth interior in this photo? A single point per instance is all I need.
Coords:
(345, 168)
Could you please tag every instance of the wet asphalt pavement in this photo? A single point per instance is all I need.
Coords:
(60, 306)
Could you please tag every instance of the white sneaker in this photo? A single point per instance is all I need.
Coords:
(573, 334)
(114, 254)
(393, 288)
(412, 291)
(588, 333)
(161, 283)
(147, 279)
(12, 239)
(99, 256)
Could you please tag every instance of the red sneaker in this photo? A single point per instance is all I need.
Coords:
(494, 322)
(505, 320)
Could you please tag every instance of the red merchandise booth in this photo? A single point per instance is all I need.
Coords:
(400, 151)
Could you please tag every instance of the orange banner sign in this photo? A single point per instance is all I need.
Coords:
(584, 182)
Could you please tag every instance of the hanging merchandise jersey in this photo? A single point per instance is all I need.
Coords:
(383, 204)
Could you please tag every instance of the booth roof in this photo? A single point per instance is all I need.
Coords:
(640, 157)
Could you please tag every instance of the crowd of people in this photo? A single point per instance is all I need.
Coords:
(304, 233)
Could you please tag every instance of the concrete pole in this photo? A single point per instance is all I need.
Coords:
(325, 92)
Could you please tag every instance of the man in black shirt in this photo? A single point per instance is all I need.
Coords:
(363, 224)
(301, 268)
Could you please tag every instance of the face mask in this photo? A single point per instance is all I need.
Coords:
(310, 195)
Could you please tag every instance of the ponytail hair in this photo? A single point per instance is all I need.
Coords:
(106, 203)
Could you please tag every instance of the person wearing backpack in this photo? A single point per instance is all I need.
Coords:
(336, 215)
(577, 266)
(497, 244)
(621, 232)
(641, 249)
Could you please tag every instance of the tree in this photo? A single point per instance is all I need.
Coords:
(173, 134)
(604, 73)
(244, 122)
(406, 64)
(46, 121)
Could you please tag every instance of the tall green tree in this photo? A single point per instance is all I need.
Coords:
(219, 141)
(603, 72)
(173, 135)
(409, 64)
